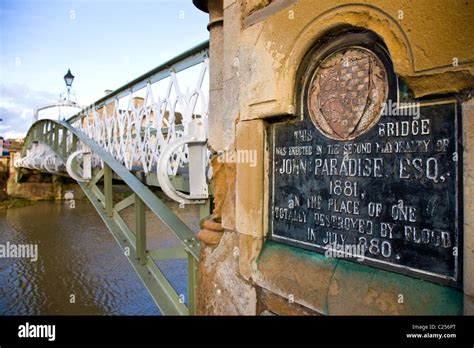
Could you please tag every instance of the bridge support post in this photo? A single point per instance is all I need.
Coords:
(109, 204)
(73, 144)
(64, 143)
(56, 139)
(192, 283)
(140, 230)
(205, 209)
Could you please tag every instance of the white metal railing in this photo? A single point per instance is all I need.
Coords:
(138, 121)
(156, 123)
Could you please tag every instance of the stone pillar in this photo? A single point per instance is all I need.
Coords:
(468, 173)
(216, 51)
(221, 289)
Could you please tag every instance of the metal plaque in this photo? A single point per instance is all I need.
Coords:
(382, 188)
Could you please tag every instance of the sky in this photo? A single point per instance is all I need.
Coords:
(105, 43)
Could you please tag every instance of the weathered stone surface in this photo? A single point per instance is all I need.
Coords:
(217, 120)
(266, 313)
(271, 304)
(249, 249)
(338, 287)
(221, 291)
(369, 291)
(4, 165)
(446, 82)
(292, 274)
(210, 237)
(224, 192)
(468, 305)
(4, 173)
(251, 6)
(37, 186)
(230, 75)
(34, 191)
(39, 191)
(468, 174)
(213, 225)
(228, 3)
(219, 187)
(426, 58)
(13, 157)
(250, 189)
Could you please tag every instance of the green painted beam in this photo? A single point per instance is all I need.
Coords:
(96, 178)
(98, 195)
(180, 183)
(74, 144)
(108, 190)
(140, 229)
(192, 283)
(173, 222)
(56, 139)
(127, 233)
(205, 209)
(64, 144)
(124, 203)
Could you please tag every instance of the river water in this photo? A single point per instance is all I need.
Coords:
(78, 261)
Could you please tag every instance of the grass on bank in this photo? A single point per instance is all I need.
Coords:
(12, 202)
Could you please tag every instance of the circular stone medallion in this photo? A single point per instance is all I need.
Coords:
(347, 93)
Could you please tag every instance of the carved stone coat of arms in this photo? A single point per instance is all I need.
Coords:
(347, 93)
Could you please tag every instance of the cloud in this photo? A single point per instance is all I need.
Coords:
(23, 96)
(17, 102)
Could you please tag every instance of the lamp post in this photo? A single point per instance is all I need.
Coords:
(68, 78)
(69, 100)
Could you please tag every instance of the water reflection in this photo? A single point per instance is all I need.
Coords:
(77, 256)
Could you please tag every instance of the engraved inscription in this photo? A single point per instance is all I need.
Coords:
(392, 192)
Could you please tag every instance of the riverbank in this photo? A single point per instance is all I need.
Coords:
(12, 202)
(6, 201)
(33, 186)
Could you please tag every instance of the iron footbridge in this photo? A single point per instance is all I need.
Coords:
(150, 133)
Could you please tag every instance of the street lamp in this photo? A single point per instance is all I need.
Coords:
(63, 100)
(68, 78)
